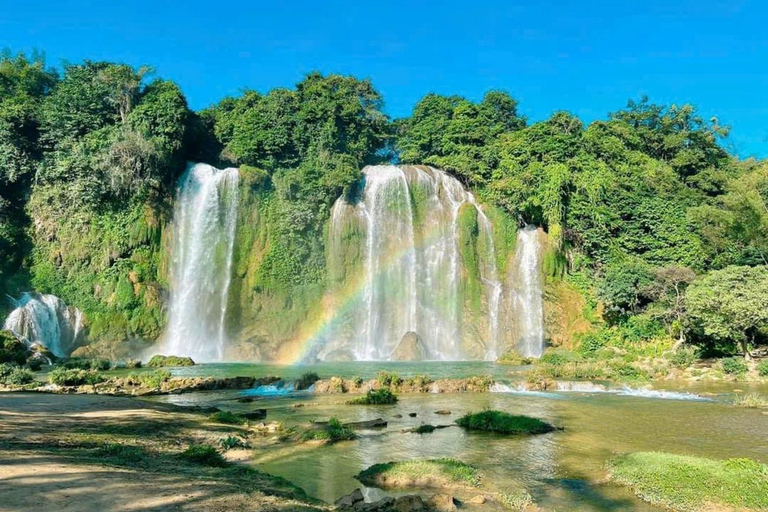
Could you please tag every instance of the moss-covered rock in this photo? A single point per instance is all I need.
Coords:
(160, 361)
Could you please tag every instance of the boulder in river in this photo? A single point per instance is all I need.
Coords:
(410, 348)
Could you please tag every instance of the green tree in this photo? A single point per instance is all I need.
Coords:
(730, 306)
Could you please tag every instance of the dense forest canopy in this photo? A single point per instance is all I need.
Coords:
(645, 206)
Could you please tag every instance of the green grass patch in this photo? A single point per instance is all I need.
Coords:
(153, 379)
(388, 379)
(444, 472)
(381, 396)
(424, 429)
(504, 423)
(333, 432)
(306, 380)
(751, 401)
(205, 455)
(227, 418)
(160, 361)
(734, 365)
(686, 483)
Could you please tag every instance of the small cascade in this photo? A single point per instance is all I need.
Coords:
(404, 231)
(46, 320)
(528, 293)
(204, 236)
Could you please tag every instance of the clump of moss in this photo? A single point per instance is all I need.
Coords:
(381, 396)
(228, 418)
(14, 375)
(424, 429)
(504, 423)
(306, 380)
(160, 361)
(74, 377)
(122, 454)
(684, 483)
(445, 472)
(204, 454)
(333, 432)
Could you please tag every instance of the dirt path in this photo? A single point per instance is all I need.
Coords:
(41, 469)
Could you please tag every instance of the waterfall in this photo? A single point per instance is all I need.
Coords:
(407, 219)
(46, 320)
(529, 301)
(204, 235)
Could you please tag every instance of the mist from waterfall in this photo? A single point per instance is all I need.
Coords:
(407, 219)
(204, 234)
(529, 295)
(46, 320)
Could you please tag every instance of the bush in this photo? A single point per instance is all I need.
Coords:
(424, 429)
(389, 379)
(333, 432)
(381, 396)
(734, 365)
(204, 454)
(74, 377)
(558, 357)
(358, 381)
(13, 375)
(81, 363)
(153, 379)
(762, 368)
(12, 350)
(160, 361)
(228, 418)
(133, 364)
(751, 401)
(513, 358)
(306, 380)
(34, 364)
(230, 442)
(504, 423)
(683, 358)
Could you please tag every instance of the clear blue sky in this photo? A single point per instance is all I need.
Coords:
(585, 57)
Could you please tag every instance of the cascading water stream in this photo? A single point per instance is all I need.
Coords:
(405, 223)
(204, 223)
(45, 319)
(529, 300)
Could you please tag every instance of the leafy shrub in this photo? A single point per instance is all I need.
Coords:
(159, 361)
(558, 356)
(382, 396)
(358, 381)
(762, 368)
(204, 454)
(591, 342)
(34, 364)
(333, 432)
(504, 423)
(734, 365)
(81, 363)
(153, 379)
(227, 417)
(13, 375)
(133, 364)
(683, 358)
(74, 376)
(513, 358)
(306, 380)
(230, 442)
(12, 350)
(419, 381)
(389, 379)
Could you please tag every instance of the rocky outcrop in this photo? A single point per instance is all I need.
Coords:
(410, 348)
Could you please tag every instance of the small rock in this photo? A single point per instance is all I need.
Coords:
(410, 503)
(443, 502)
(444, 412)
(397, 416)
(412, 414)
(351, 499)
(245, 400)
(258, 414)
(477, 500)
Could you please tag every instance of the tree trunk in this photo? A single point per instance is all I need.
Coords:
(745, 348)
(679, 342)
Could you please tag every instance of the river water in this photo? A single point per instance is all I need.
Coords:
(562, 470)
